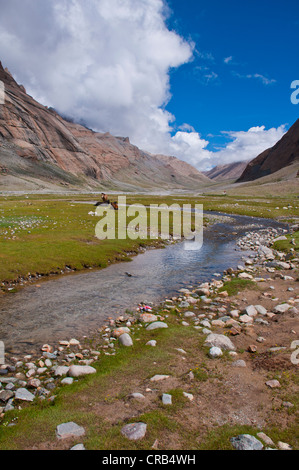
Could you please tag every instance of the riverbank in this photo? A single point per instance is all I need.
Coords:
(45, 236)
(61, 240)
(77, 304)
(219, 364)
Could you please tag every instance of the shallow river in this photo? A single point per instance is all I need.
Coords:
(77, 304)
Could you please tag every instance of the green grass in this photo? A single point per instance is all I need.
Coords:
(62, 234)
(97, 402)
(37, 422)
(233, 286)
(47, 235)
(286, 245)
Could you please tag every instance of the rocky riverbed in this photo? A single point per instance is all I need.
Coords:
(257, 328)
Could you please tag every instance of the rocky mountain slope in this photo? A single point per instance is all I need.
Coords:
(230, 171)
(38, 148)
(283, 154)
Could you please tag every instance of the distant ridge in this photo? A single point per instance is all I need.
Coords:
(231, 171)
(283, 154)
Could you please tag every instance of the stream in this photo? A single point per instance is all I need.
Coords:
(77, 304)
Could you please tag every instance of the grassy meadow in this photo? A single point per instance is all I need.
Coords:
(50, 234)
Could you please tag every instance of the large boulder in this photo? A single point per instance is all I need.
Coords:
(79, 371)
(156, 325)
(219, 341)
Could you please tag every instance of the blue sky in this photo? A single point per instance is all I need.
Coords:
(206, 81)
(247, 55)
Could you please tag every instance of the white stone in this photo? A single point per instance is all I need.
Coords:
(156, 325)
(166, 399)
(265, 438)
(134, 431)
(283, 446)
(61, 370)
(245, 276)
(78, 371)
(67, 430)
(67, 381)
(260, 309)
(234, 313)
(189, 396)
(158, 378)
(282, 308)
(215, 352)
(246, 319)
(24, 395)
(220, 341)
(74, 342)
(78, 447)
(250, 310)
(266, 252)
(137, 396)
(189, 314)
(125, 339)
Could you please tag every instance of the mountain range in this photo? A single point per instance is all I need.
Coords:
(39, 148)
(230, 171)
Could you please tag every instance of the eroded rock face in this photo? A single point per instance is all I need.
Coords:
(32, 133)
(284, 153)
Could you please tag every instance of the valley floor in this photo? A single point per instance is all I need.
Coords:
(248, 387)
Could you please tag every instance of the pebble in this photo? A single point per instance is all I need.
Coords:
(67, 381)
(78, 371)
(189, 396)
(68, 430)
(158, 378)
(189, 314)
(282, 308)
(239, 363)
(220, 341)
(125, 339)
(181, 351)
(134, 431)
(260, 309)
(61, 370)
(120, 331)
(215, 352)
(246, 442)
(156, 325)
(24, 395)
(148, 317)
(78, 447)
(6, 395)
(266, 439)
(137, 396)
(245, 276)
(250, 311)
(273, 383)
(284, 446)
(166, 399)
(246, 319)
